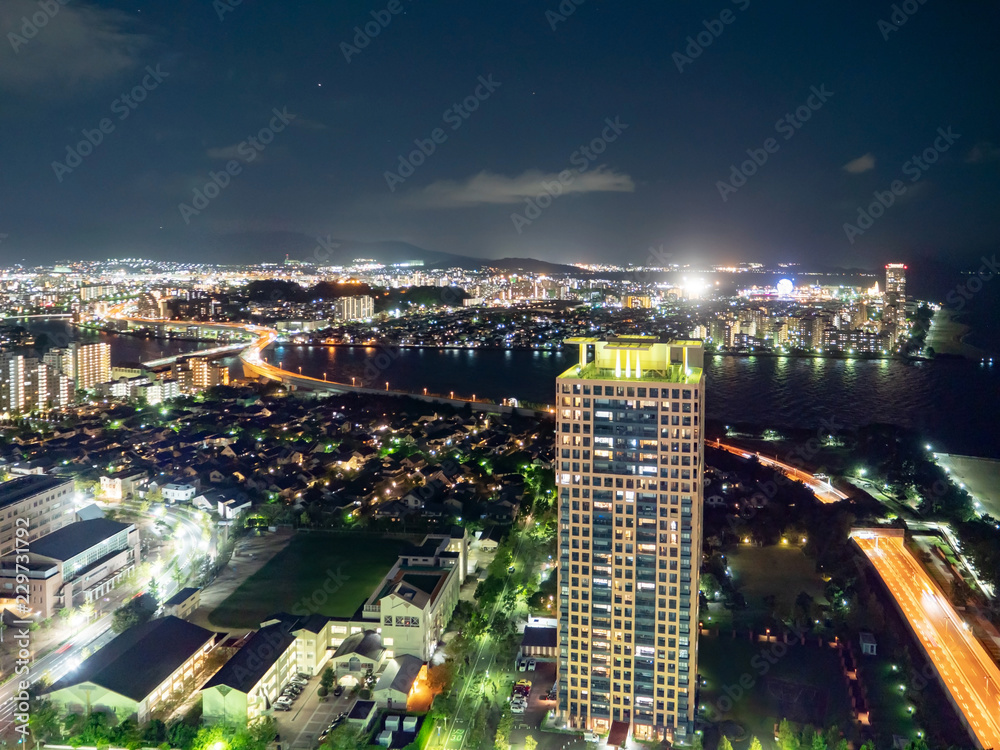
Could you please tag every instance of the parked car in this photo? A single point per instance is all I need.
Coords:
(282, 706)
(522, 664)
(531, 665)
(338, 691)
(518, 708)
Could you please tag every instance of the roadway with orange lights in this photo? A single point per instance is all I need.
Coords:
(962, 664)
(824, 491)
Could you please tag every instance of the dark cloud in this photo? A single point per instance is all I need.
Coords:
(75, 48)
(487, 188)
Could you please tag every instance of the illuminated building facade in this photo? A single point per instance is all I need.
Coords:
(894, 312)
(630, 451)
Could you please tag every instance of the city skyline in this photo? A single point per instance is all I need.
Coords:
(521, 375)
(233, 131)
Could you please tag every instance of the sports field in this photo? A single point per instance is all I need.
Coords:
(326, 574)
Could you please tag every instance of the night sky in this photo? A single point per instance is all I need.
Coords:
(507, 94)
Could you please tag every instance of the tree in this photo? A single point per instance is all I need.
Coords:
(724, 743)
(504, 728)
(755, 744)
(153, 589)
(326, 680)
(344, 737)
(43, 722)
(788, 739)
(530, 743)
(133, 612)
(440, 676)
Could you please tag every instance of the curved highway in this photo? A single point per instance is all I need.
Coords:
(253, 361)
(963, 665)
(826, 492)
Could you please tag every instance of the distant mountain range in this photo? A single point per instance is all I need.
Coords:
(276, 246)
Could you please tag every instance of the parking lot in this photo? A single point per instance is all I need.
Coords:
(542, 680)
(300, 728)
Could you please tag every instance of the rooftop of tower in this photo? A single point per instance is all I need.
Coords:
(638, 358)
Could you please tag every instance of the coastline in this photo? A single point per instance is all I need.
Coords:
(947, 335)
(974, 353)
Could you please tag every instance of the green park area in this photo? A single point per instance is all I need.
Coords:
(771, 579)
(750, 686)
(327, 574)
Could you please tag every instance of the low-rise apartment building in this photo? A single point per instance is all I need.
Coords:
(136, 671)
(252, 680)
(76, 564)
(37, 503)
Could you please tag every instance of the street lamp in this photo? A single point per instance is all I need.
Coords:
(387, 385)
(352, 380)
(453, 394)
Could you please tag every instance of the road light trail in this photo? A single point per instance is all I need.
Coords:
(824, 491)
(962, 664)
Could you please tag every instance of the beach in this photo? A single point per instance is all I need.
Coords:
(947, 336)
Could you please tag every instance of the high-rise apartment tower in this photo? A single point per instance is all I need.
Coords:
(629, 469)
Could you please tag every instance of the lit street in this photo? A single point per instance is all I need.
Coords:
(963, 665)
(823, 490)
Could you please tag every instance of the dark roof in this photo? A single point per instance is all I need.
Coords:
(252, 661)
(24, 487)
(367, 643)
(78, 537)
(400, 673)
(618, 735)
(140, 659)
(540, 637)
(181, 596)
(362, 710)
(313, 623)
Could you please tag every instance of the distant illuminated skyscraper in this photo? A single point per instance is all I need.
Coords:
(895, 279)
(894, 312)
(630, 453)
(91, 364)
